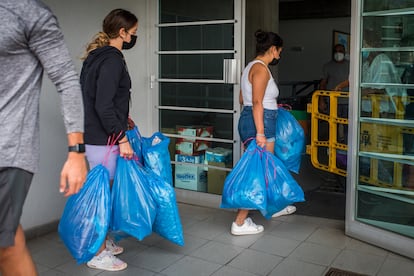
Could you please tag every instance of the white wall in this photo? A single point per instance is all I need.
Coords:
(315, 37)
(80, 20)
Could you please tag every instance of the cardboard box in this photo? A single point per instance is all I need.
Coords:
(190, 177)
(194, 159)
(195, 131)
(191, 148)
(215, 178)
(218, 155)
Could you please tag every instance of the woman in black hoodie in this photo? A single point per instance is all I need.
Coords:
(106, 88)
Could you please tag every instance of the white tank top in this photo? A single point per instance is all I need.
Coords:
(271, 92)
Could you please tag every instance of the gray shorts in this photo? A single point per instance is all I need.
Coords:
(14, 186)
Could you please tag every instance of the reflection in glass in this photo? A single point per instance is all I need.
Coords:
(208, 66)
(385, 190)
(200, 95)
(200, 37)
(382, 5)
(195, 10)
(223, 123)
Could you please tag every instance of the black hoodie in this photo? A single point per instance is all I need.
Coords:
(106, 86)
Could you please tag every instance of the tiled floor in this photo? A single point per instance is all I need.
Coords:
(290, 245)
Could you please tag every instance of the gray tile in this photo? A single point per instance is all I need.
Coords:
(155, 259)
(315, 253)
(53, 255)
(299, 231)
(129, 271)
(41, 268)
(255, 262)
(191, 266)
(366, 248)
(52, 272)
(241, 241)
(275, 245)
(207, 230)
(358, 262)
(292, 267)
(230, 271)
(330, 237)
(217, 252)
(394, 266)
(191, 243)
(72, 268)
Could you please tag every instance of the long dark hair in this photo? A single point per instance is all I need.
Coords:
(265, 40)
(113, 22)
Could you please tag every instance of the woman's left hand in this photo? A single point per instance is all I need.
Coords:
(125, 150)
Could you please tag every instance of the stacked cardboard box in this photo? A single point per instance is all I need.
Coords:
(219, 157)
(191, 150)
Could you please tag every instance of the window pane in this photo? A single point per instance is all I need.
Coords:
(380, 5)
(195, 10)
(201, 37)
(193, 66)
(223, 123)
(389, 31)
(200, 95)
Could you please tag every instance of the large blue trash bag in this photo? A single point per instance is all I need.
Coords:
(245, 186)
(290, 140)
(133, 208)
(282, 188)
(85, 219)
(135, 140)
(167, 221)
(157, 156)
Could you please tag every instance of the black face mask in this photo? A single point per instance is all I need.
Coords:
(274, 61)
(129, 45)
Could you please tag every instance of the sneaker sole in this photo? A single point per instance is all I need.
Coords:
(106, 268)
(284, 213)
(246, 233)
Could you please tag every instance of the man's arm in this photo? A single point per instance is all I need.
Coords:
(47, 43)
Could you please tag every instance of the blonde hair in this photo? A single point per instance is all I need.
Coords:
(99, 40)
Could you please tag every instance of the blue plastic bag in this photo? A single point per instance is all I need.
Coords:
(282, 188)
(133, 208)
(290, 140)
(167, 221)
(245, 186)
(85, 219)
(157, 156)
(135, 140)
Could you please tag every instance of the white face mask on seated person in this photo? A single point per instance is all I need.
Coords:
(338, 56)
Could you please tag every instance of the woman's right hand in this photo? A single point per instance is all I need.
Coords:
(261, 141)
(125, 150)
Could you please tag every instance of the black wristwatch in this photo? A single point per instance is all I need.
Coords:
(77, 148)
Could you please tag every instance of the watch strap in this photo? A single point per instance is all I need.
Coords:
(77, 148)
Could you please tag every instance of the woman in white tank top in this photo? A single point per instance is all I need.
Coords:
(258, 119)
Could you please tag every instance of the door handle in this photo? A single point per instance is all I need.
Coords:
(230, 71)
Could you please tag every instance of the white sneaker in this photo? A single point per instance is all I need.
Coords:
(248, 228)
(290, 209)
(106, 261)
(115, 249)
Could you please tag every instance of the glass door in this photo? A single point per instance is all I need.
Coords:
(199, 52)
(384, 188)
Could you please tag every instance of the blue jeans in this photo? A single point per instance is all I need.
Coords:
(247, 128)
